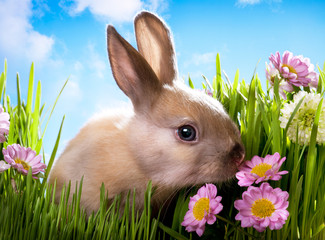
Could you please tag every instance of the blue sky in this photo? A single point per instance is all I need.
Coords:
(67, 38)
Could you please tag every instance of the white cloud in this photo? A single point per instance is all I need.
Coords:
(248, 2)
(72, 94)
(96, 62)
(243, 3)
(40, 7)
(78, 66)
(156, 5)
(73, 89)
(204, 58)
(39, 46)
(120, 11)
(18, 37)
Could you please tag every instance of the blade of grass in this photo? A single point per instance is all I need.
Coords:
(56, 100)
(18, 95)
(250, 118)
(3, 78)
(171, 232)
(53, 154)
(310, 173)
(233, 97)
(275, 123)
(35, 118)
(30, 90)
(190, 83)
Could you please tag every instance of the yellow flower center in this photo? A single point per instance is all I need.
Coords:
(23, 163)
(262, 208)
(200, 208)
(291, 69)
(261, 169)
(307, 118)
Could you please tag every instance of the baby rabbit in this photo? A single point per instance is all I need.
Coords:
(175, 136)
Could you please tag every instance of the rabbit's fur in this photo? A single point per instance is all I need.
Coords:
(126, 150)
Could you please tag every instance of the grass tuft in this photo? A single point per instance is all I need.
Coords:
(28, 209)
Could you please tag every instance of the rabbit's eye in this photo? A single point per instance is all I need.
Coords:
(186, 133)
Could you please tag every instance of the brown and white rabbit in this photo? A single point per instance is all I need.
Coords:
(175, 136)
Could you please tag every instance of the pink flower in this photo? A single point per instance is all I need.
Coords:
(271, 73)
(3, 166)
(260, 169)
(4, 124)
(202, 209)
(206, 91)
(23, 159)
(263, 207)
(297, 70)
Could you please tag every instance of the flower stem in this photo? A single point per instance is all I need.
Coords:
(238, 228)
(14, 185)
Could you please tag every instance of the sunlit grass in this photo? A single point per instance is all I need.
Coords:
(28, 210)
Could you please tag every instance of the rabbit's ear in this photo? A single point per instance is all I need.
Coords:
(155, 44)
(131, 71)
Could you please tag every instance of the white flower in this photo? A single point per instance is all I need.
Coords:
(4, 124)
(304, 118)
(3, 166)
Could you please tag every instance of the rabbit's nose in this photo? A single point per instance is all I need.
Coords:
(237, 154)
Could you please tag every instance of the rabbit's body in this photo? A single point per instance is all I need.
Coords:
(176, 136)
(89, 154)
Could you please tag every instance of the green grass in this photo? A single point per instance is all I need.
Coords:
(27, 205)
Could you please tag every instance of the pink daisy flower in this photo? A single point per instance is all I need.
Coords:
(263, 207)
(202, 209)
(295, 69)
(3, 166)
(260, 169)
(4, 124)
(271, 72)
(23, 159)
(208, 92)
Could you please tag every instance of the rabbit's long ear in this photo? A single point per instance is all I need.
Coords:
(131, 71)
(155, 44)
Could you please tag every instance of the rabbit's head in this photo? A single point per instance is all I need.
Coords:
(178, 136)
